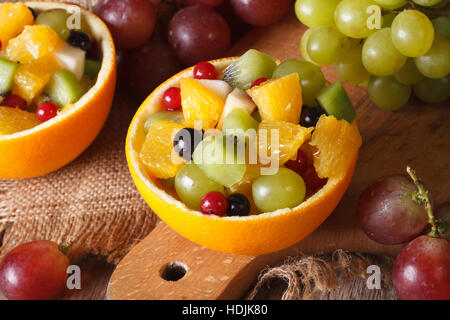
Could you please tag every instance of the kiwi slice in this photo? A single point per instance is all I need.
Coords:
(250, 66)
(7, 71)
(64, 88)
(335, 101)
(218, 159)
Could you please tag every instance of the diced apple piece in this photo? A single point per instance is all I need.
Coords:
(238, 98)
(72, 59)
(219, 87)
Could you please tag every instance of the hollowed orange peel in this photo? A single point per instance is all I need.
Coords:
(255, 234)
(53, 144)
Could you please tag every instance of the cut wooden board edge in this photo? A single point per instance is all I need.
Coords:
(210, 274)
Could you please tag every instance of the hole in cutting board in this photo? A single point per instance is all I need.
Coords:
(174, 271)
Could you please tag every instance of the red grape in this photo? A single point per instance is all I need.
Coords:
(261, 12)
(387, 212)
(131, 22)
(35, 270)
(422, 270)
(198, 33)
(149, 66)
(238, 27)
(209, 3)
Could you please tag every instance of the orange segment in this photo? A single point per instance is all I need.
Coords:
(14, 17)
(157, 153)
(200, 104)
(280, 138)
(33, 43)
(13, 120)
(31, 78)
(279, 99)
(336, 141)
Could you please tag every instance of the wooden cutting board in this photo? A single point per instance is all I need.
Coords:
(418, 135)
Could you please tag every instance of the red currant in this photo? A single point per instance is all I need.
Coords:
(172, 99)
(214, 202)
(299, 164)
(14, 101)
(46, 111)
(257, 82)
(205, 70)
(312, 180)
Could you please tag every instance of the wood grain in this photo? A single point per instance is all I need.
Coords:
(418, 135)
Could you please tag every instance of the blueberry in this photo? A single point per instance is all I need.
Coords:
(310, 116)
(238, 205)
(185, 142)
(79, 39)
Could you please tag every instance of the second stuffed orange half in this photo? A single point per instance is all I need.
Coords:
(334, 146)
(29, 148)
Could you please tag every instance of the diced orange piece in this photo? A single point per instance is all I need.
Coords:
(13, 18)
(158, 154)
(288, 139)
(31, 78)
(279, 99)
(14, 120)
(33, 43)
(200, 103)
(336, 141)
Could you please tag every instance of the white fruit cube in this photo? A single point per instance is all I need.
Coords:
(238, 98)
(72, 59)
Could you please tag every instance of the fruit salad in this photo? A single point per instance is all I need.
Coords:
(48, 61)
(239, 141)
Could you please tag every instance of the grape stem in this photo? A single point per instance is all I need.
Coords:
(64, 248)
(422, 196)
(412, 5)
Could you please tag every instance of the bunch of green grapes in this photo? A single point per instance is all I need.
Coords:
(390, 46)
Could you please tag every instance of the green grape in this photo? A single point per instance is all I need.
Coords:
(238, 121)
(311, 77)
(191, 185)
(427, 3)
(408, 74)
(391, 4)
(412, 33)
(171, 116)
(285, 189)
(315, 13)
(435, 63)
(57, 20)
(326, 45)
(351, 18)
(221, 160)
(350, 68)
(304, 45)
(442, 26)
(387, 93)
(379, 55)
(441, 4)
(433, 90)
(388, 18)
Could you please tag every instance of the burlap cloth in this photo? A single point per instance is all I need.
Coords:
(93, 203)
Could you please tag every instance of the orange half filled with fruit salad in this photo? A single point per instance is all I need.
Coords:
(227, 155)
(57, 78)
